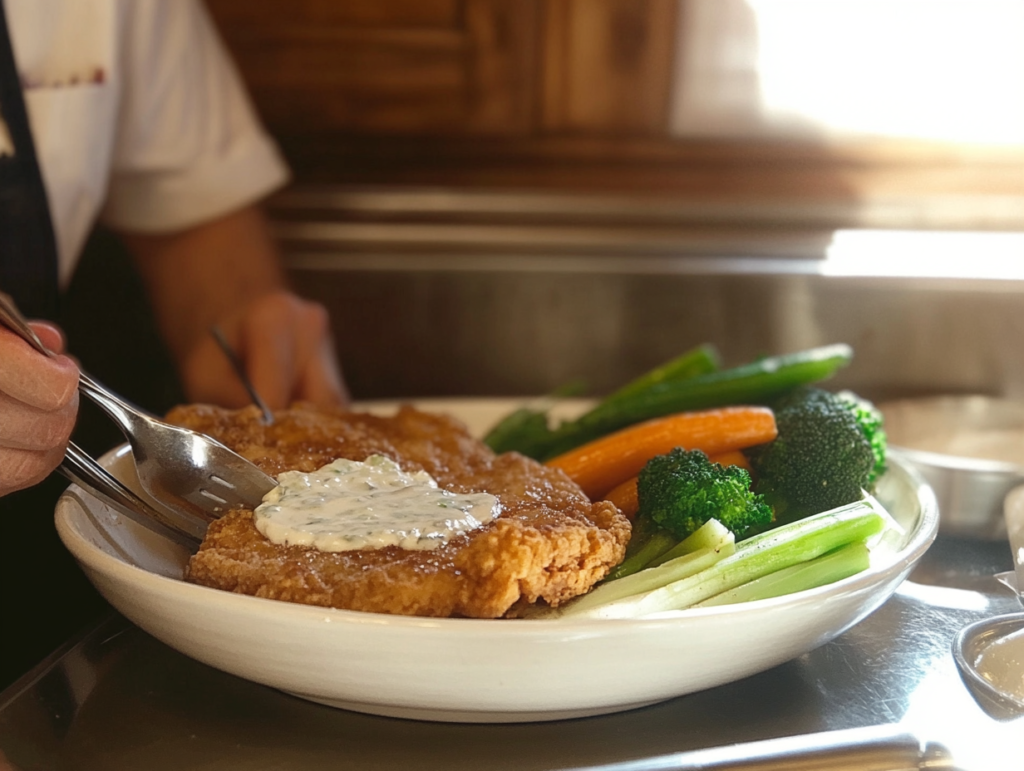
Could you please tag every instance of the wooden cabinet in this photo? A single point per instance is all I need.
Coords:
(386, 66)
(606, 66)
(487, 68)
(543, 93)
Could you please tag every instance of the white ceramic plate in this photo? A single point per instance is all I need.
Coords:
(466, 669)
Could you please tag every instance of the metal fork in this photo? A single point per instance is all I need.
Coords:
(185, 470)
(84, 471)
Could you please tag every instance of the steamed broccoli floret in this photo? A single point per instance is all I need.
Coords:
(683, 489)
(824, 456)
(870, 420)
(678, 493)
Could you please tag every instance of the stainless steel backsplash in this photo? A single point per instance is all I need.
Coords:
(441, 299)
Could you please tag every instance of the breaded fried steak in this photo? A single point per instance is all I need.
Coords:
(549, 542)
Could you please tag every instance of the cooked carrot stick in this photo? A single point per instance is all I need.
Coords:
(732, 458)
(625, 498)
(604, 463)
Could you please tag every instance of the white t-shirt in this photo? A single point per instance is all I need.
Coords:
(138, 115)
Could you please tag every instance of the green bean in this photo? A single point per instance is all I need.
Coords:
(701, 360)
(756, 383)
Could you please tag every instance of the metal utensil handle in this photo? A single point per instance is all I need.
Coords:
(123, 413)
(113, 405)
(236, 365)
(1013, 515)
(883, 748)
(81, 469)
(11, 318)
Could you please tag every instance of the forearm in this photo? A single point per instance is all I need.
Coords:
(227, 273)
(197, 277)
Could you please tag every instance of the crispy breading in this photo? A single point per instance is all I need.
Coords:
(550, 543)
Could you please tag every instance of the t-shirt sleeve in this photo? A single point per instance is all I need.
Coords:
(189, 147)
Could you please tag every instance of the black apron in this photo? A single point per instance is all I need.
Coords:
(44, 598)
(28, 251)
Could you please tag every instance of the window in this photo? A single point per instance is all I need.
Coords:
(947, 70)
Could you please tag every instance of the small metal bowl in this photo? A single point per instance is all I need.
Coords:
(994, 684)
(970, 449)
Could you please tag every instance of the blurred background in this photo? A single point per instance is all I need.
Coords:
(501, 196)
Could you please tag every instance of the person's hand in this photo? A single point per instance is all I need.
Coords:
(285, 345)
(38, 407)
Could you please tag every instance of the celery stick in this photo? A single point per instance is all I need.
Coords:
(655, 546)
(829, 568)
(757, 556)
(651, 578)
(662, 546)
(710, 535)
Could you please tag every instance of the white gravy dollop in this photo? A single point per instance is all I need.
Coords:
(368, 505)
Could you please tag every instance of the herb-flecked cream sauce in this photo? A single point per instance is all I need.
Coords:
(368, 505)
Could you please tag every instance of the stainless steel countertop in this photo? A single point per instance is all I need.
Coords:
(118, 699)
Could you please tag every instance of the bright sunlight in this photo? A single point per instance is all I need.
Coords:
(948, 70)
